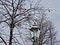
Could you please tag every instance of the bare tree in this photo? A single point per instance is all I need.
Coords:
(11, 11)
(47, 33)
(16, 12)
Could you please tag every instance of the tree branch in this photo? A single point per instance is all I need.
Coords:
(3, 40)
(6, 8)
(24, 12)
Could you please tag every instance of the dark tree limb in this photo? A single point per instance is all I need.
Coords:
(3, 40)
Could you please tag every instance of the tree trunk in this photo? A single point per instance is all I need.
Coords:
(11, 31)
(11, 35)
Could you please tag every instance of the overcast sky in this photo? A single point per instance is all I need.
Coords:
(55, 5)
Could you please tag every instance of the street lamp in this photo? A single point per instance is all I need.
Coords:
(35, 32)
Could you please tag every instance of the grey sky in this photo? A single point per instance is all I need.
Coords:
(55, 5)
(55, 16)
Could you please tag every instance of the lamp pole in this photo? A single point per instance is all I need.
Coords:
(35, 37)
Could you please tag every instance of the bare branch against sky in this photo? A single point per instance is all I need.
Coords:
(16, 16)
